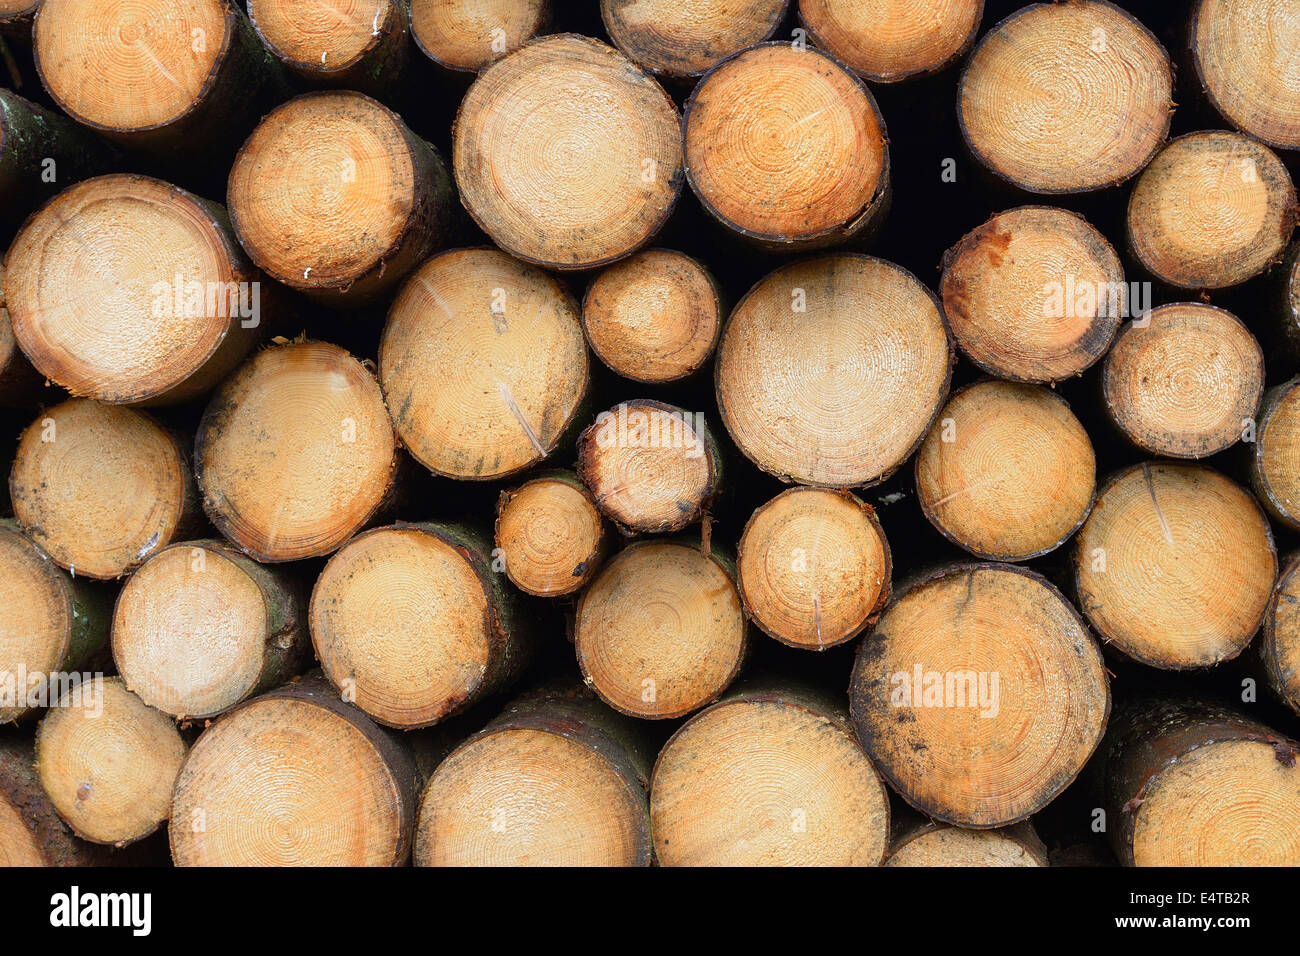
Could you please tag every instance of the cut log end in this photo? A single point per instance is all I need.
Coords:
(661, 631)
(1035, 294)
(1212, 210)
(830, 371)
(1151, 567)
(35, 629)
(1279, 640)
(552, 536)
(1066, 97)
(813, 567)
(319, 39)
(467, 35)
(786, 147)
(1007, 472)
(1185, 382)
(1274, 468)
(483, 363)
(679, 42)
(891, 40)
(526, 185)
(938, 845)
(980, 695)
(654, 317)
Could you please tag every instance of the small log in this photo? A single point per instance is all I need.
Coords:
(483, 363)
(295, 453)
(787, 148)
(769, 776)
(412, 624)
(1277, 651)
(1185, 382)
(552, 536)
(980, 694)
(1007, 472)
(1149, 568)
(295, 777)
(1035, 294)
(888, 41)
(31, 831)
(562, 180)
(108, 762)
(200, 627)
(1066, 97)
(556, 780)
(830, 371)
(934, 844)
(1211, 211)
(813, 567)
(661, 631)
(102, 487)
(1274, 470)
(467, 35)
(678, 42)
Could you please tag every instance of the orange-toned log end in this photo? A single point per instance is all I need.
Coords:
(661, 631)
(467, 35)
(564, 181)
(891, 40)
(980, 694)
(1066, 97)
(100, 487)
(108, 762)
(31, 831)
(767, 780)
(1274, 465)
(680, 41)
(483, 364)
(1035, 294)
(333, 195)
(1185, 381)
(296, 452)
(650, 467)
(1007, 472)
(407, 625)
(787, 148)
(1212, 210)
(655, 317)
(551, 535)
(327, 41)
(1279, 638)
(1243, 53)
(830, 371)
(935, 844)
(1150, 569)
(129, 290)
(813, 567)
(294, 778)
(199, 628)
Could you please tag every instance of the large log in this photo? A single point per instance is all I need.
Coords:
(888, 41)
(679, 41)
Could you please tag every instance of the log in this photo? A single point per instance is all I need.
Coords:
(1241, 55)
(551, 535)
(1066, 97)
(1277, 651)
(54, 624)
(360, 45)
(467, 35)
(1186, 382)
(1008, 472)
(1211, 211)
(295, 777)
(412, 624)
(769, 776)
(31, 832)
(561, 180)
(334, 196)
(175, 77)
(650, 467)
(1286, 303)
(102, 487)
(16, 16)
(177, 304)
(934, 844)
(830, 371)
(20, 385)
(108, 762)
(556, 780)
(888, 41)
(813, 567)
(661, 631)
(1035, 294)
(980, 694)
(1193, 784)
(520, 367)
(295, 453)
(787, 191)
(654, 317)
(200, 627)
(1274, 471)
(678, 42)
(1149, 568)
